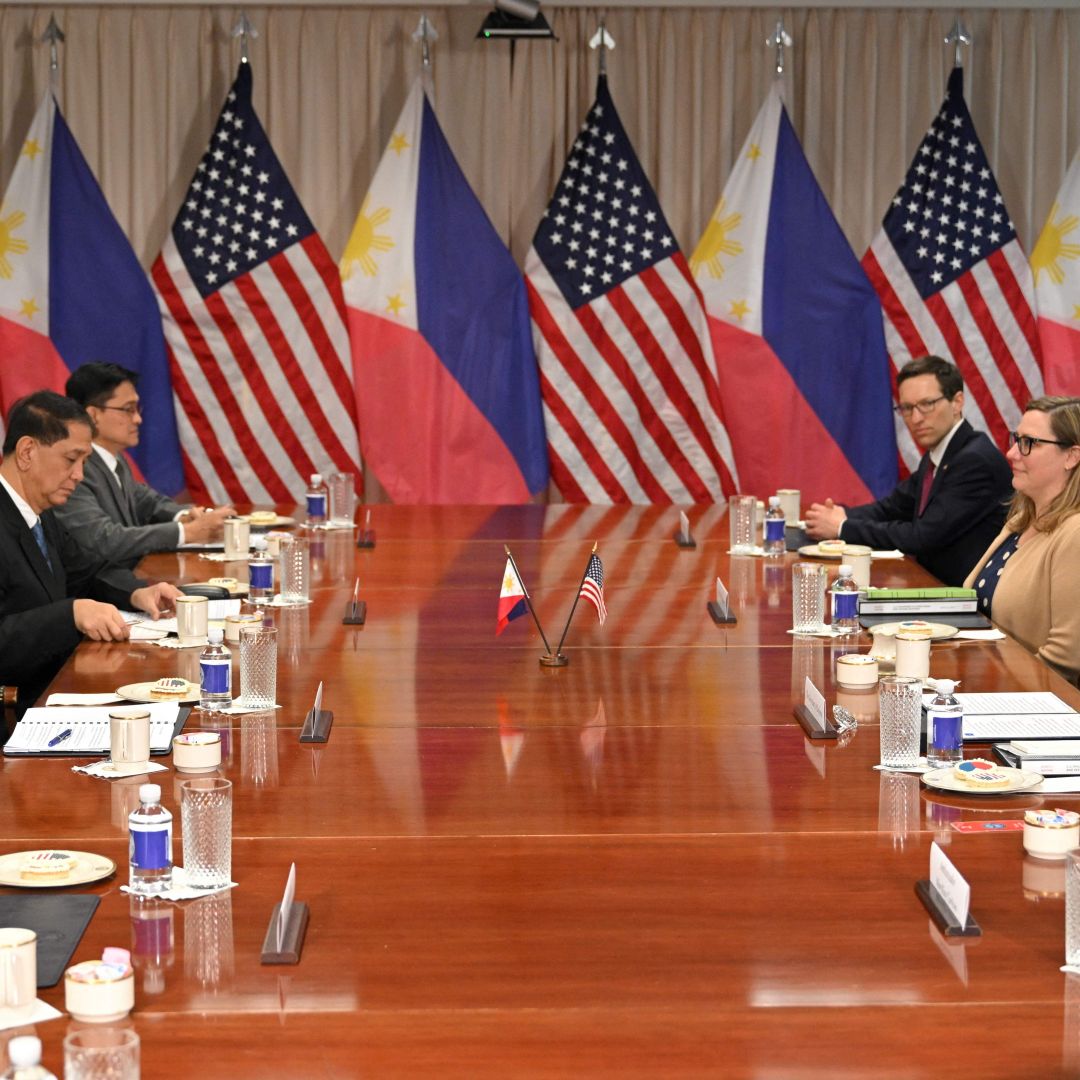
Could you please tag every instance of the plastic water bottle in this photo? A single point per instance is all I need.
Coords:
(316, 500)
(215, 665)
(845, 603)
(944, 727)
(775, 544)
(24, 1053)
(150, 846)
(260, 572)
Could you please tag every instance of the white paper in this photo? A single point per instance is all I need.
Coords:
(894, 554)
(147, 631)
(1012, 726)
(1020, 702)
(1060, 785)
(89, 727)
(1048, 747)
(981, 635)
(286, 906)
(82, 699)
(814, 700)
(954, 891)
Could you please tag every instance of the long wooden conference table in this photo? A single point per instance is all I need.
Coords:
(635, 865)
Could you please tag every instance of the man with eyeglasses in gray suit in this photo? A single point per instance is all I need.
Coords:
(111, 512)
(947, 511)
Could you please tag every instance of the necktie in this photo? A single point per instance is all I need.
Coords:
(927, 484)
(39, 536)
(123, 478)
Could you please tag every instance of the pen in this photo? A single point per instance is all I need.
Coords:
(60, 738)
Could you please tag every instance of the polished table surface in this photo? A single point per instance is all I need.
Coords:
(633, 865)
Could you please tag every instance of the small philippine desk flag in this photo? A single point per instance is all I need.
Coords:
(511, 598)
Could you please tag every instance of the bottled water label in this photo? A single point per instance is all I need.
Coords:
(261, 575)
(316, 505)
(946, 731)
(150, 846)
(216, 676)
(774, 529)
(845, 605)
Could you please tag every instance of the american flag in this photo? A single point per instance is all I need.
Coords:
(255, 324)
(953, 279)
(592, 586)
(631, 403)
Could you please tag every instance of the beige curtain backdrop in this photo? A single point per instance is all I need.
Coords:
(141, 88)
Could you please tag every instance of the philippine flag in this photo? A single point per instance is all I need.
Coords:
(72, 291)
(511, 599)
(1056, 265)
(447, 386)
(796, 328)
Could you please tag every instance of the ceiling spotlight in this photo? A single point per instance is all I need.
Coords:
(515, 19)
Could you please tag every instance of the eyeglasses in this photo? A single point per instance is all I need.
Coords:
(134, 409)
(1026, 442)
(923, 408)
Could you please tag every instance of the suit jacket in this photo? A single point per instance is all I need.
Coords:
(37, 625)
(965, 511)
(121, 527)
(1037, 599)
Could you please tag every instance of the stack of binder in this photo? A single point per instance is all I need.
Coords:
(946, 604)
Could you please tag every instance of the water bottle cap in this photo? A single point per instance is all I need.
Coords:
(24, 1051)
(774, 500)
(316, 479)
(215, 636)
(149, 793)
(845, 570)
(945, 686)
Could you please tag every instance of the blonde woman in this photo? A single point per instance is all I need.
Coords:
(1028, 581)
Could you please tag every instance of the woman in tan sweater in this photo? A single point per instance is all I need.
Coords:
(1029, 579)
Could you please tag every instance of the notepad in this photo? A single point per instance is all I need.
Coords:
(89, 728)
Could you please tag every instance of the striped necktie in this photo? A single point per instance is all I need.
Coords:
(39, 536)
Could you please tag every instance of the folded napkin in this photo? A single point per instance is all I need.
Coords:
(40, 1014)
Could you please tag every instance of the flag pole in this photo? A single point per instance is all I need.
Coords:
(577, 597)
(54, 36)
(958, 37)
(244, 30)
(528, 601)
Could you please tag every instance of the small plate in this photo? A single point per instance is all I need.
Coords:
(277, 523)
(88, 867)
(943, 780)
(812, 551)
(938, 631)
(141, 692)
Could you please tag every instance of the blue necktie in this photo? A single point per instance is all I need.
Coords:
(39, 536)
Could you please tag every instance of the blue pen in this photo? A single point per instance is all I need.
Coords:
(60, 738)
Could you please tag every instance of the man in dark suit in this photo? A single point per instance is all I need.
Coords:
(110, 511)
(52, 589)
(946, 513)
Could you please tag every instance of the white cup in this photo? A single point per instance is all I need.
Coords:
(18, 974)
(191, 619)
(197, 751)
(98, 993)
(913, 654)
(237, 538)
(858, 558)
(789, 503)
(129, 736)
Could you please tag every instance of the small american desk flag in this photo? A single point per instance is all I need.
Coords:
(592, 586)
(631, 401)
(255, 324)
(953, 279)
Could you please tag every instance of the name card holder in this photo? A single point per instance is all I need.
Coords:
(366, 537)
(720, 608)
(947, 897)
(683, 537)
(941, 916)
(355, 609)
(318, 722)
(284, 941)
(811, 714)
